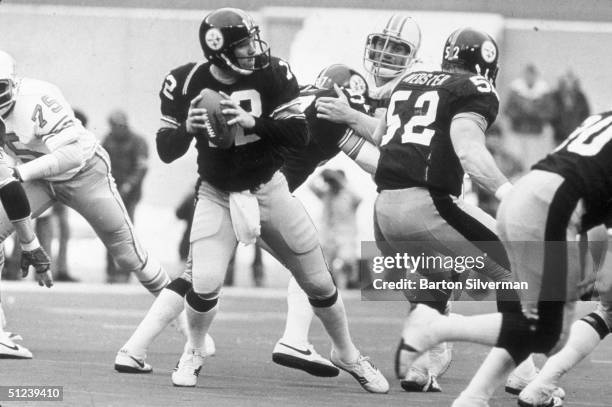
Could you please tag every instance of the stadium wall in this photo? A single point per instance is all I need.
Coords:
(104, 58)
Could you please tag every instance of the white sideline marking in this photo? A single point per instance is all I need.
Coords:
(607, 362)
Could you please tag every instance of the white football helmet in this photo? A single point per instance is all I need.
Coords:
(8, 82)
(388, 54)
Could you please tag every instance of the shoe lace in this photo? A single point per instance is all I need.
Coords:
(369, 370)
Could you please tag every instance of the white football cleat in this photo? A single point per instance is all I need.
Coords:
(128, 363)
(303, 357)
(440, 358)
(541, 395)
(368, 376)
(515, 384)
(187, 369)
(420, 380)
(10, 350)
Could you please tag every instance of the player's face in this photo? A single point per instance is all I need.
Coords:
(389, 51)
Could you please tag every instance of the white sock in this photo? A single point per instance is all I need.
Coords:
(483, 329)
(583, 339)
(299, 315)
(526, 370)
(166, 307)
(490, 375)
(335, 322)
(199, 323)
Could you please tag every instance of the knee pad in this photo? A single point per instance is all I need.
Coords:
(598, 324)
(201, 302)
(515, 335)
(179, 286)
(325, 302)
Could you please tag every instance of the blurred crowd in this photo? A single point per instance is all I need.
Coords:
(536, 116)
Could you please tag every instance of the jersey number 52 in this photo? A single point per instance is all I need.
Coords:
(415, 129)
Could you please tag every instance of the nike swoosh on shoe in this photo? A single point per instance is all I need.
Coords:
(14, 347)
(306, 352)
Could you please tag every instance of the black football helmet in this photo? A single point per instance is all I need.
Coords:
(225, 29)
(472, 50)
(343, 76)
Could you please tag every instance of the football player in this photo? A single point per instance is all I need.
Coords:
(432, 136)
(387, 56)
(564, 196)
(299, 164)
(17, 207)
(241, 193)
(58, 160)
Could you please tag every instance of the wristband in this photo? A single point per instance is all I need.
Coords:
(503, 190)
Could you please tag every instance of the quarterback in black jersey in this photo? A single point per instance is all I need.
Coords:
(241, 194)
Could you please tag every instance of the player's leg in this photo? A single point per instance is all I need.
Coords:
(293, 349)
(40, 198)
(212, 232)
(585, 334)
(533, 222)
(93, 194)
(168, 306)
(289, 231)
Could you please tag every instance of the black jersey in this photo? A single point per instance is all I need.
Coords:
(253, 158)
(584, 159)
(417, 150)
(323, 140)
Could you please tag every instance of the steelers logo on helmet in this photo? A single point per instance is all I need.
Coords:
(214, 39)
(358, 84)
(488, 51)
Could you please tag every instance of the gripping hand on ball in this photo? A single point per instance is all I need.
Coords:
(238, 114)
(196, 117)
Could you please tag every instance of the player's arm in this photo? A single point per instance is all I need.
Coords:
(176, 131)
(339, 110)
(362, 151)
(17, 208)
(54, 123)
(467, 132)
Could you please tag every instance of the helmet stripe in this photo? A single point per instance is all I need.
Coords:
(395, 23)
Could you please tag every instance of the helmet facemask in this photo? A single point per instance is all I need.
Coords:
(386, 56)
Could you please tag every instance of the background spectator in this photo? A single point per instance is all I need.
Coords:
(339, 232)
(570, 106)
(509, 164)
(128, 154)
(529, 109)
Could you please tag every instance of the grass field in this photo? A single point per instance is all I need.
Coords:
(75, 330)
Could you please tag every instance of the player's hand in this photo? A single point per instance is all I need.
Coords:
(196, 117)
(237, 114)
(39, 259)
(335, 109)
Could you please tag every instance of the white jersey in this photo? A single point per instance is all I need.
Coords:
(40, 122)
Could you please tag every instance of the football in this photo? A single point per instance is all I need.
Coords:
(220, 133)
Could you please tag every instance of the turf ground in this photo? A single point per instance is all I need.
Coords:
(75, 330)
